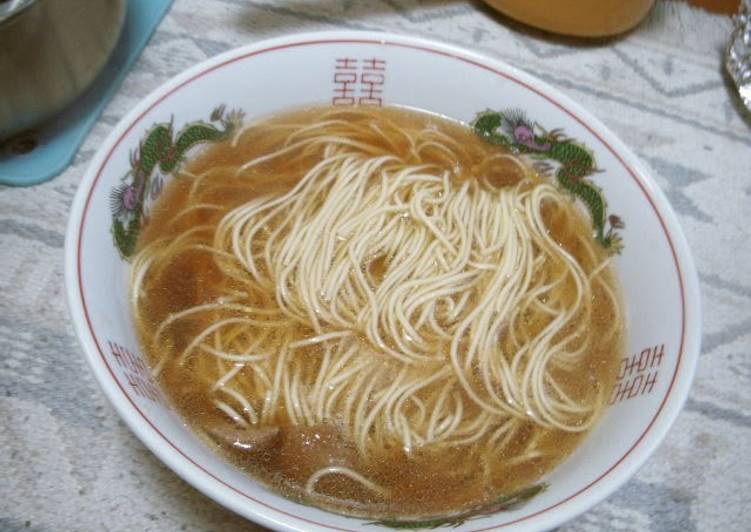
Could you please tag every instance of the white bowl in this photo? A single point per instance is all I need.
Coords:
(655, 266)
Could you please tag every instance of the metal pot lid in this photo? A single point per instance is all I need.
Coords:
(9, 8)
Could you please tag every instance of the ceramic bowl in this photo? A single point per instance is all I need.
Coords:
(352, 68)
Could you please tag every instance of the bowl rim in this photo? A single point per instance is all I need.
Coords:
(267, 514)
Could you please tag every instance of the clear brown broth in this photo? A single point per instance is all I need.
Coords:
(426, 482)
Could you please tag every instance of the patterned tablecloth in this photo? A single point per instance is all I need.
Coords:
(68, 463)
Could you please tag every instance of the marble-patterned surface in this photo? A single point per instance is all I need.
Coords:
(66, 461)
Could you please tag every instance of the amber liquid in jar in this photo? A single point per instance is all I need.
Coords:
(582, 18)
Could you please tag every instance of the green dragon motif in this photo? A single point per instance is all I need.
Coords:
(501, 504)
(574, 161)
(158, 150)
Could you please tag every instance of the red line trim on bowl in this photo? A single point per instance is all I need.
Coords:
(473, 62)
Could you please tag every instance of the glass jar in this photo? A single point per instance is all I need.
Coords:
(582, 18)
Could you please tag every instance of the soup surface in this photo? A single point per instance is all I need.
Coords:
(376, 312)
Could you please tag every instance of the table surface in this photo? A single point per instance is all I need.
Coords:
(68, 463)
